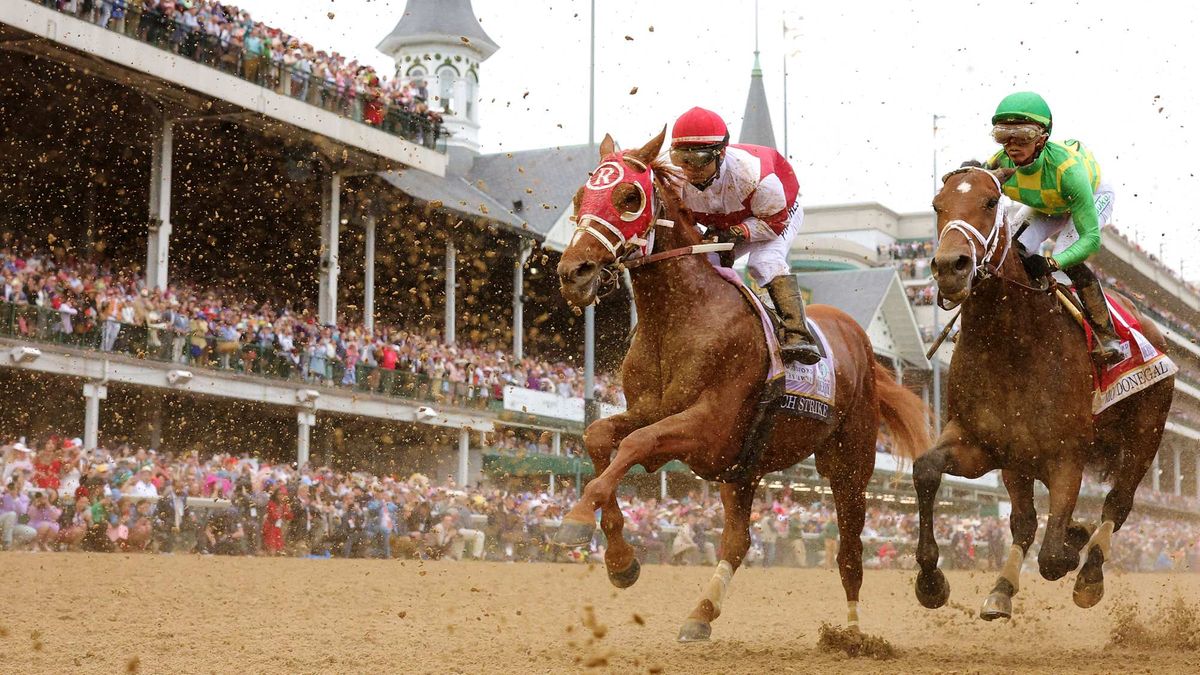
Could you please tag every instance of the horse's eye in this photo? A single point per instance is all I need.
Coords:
(991, 203)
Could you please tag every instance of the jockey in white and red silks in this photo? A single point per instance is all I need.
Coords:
(747, 195)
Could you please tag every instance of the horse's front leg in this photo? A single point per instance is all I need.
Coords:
(735, 541)
(600, 440)
(1057, 557)
(952, 454)
(1023, 524)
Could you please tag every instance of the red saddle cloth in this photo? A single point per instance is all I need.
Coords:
(1144, 364)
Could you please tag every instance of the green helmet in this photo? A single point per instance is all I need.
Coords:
(1024, 106)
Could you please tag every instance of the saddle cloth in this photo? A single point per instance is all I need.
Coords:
(1142, 366)
(796, 389)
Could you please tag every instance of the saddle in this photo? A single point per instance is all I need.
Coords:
(1143, 365)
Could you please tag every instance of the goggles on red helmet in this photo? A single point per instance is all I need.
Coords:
(695, 157)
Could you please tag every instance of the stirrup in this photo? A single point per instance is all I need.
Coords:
(803, 352)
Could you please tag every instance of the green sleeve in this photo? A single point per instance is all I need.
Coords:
(1078, 192)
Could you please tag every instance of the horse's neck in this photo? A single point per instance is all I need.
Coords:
(1010, 323)
(676, 282)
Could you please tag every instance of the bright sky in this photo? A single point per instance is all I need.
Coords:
(864, 80)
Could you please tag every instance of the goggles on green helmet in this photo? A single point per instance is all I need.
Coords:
(1005, 133)
(695, 157)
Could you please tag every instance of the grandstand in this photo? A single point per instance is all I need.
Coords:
(257, 186)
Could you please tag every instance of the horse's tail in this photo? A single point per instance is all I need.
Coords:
(904, 412)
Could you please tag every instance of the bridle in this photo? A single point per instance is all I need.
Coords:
(633, 252)
(982, 267)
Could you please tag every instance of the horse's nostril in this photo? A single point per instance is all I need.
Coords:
(961, 264)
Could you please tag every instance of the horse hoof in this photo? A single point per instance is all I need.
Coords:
(996, 606)
(1089, 585)
(626, 577)
(1086, 595)
(695, 631)
(932, 589)
(574, 533)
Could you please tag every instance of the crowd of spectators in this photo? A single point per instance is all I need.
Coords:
(911, 258)
(60, 497)
(222, 36)
(89, 303)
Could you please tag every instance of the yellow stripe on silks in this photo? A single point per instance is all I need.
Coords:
(718, 586)
(1012, 566)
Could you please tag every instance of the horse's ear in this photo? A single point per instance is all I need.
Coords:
(649, 152)
(1003, 174)
(607, 146)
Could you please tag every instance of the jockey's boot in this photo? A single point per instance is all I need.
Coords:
(1106, 346)
(797, 344)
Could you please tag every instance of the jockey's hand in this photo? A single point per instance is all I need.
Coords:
(1039, 266)
(735, 234)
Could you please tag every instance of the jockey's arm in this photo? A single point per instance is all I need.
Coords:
(1078, 192)
(769, 211)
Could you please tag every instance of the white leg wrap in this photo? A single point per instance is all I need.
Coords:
(1012, 566)
(852, 613)
(1102, 537)
(718, 586)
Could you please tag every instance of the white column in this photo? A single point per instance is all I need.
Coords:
(159, 240)
(1177, 469)
(1154, 471)
(451, 283)
(92, 393)
(331, 198)
(305, 420)
(1198, 474)
(662, 484)
(899, 370)
(464, 456)
(369, 277)
(518, 303)
(557, 443)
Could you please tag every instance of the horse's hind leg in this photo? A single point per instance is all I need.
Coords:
(952, 454)
(735, 541)
(849, 497)
(1023, 523)
(1141, 443)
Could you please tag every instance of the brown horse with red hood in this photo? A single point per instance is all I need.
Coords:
(695, 374)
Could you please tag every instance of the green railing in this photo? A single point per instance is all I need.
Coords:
(29, 322)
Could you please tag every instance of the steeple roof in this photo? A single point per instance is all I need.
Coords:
(756, 122)
(439, 21)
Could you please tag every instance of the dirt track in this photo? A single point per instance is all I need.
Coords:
(187, 614)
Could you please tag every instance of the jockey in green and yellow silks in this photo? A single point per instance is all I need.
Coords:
(1061, 185)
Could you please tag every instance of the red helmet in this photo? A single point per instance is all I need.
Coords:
(699, 127)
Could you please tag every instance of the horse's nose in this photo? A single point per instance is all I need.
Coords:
(950, 263)
(569, 271)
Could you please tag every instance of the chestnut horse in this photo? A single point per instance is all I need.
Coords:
(694, 374)
(1020, 399)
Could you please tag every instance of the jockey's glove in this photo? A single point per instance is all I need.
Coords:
(735, 234)
(1039, 266)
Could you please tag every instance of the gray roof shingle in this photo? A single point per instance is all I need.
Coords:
(543, 180)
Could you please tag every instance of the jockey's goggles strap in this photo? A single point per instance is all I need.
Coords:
(1017, 133)
(695, 157)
